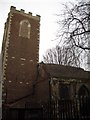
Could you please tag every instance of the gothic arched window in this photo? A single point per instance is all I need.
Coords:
(24, 29)
(83, 91)
(64, 91)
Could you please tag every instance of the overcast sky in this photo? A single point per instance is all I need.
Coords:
(45, 8)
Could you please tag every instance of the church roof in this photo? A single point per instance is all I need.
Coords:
(61, 71)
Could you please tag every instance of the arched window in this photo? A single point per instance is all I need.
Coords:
(24, 29)
(84, 101)
(64, 91)
(83, 91)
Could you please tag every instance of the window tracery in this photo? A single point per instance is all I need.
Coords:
(24, 29)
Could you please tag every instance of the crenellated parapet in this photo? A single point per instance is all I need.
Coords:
(22, 12)
(20, 54)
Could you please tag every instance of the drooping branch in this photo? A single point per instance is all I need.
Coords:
(76, 28)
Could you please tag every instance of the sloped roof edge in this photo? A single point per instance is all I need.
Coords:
(56, 70)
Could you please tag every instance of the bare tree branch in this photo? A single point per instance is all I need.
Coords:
(62, 55)
(75, 25)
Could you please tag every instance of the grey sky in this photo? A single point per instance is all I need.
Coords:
(45, 8)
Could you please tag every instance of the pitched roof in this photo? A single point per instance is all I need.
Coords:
(61, 71)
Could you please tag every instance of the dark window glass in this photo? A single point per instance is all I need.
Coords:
(64, 91)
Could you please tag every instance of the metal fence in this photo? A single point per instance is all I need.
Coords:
(67, 109)
(76, 109)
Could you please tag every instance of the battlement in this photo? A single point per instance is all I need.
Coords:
(29, 14)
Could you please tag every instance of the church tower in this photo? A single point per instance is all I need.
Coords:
(20, 54)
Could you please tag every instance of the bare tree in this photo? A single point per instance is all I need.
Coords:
(62, 55)
(76, 28)
(74, 36)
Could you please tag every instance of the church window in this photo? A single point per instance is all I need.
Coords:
(83, 91)
(64, 91)
(24, 29)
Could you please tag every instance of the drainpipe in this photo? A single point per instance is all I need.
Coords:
(35, 79)
(50, 97)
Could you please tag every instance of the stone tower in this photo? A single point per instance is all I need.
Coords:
(20, 54)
